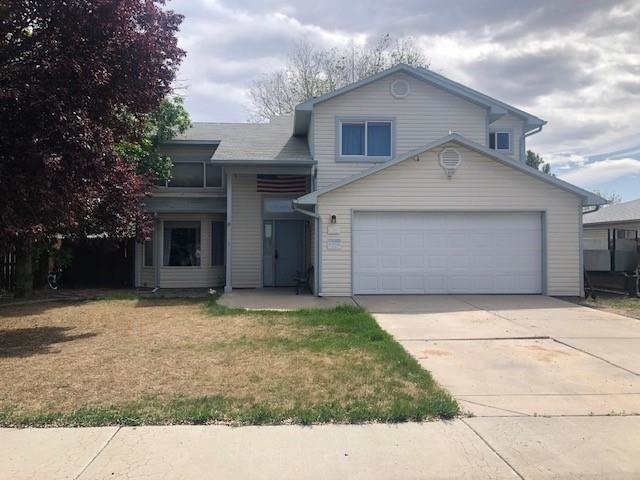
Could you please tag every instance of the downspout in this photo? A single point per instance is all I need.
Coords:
(228, 288)
(316, 244)
(523, 153)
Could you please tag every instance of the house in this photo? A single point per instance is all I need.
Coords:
(611, 238)
(405, 182)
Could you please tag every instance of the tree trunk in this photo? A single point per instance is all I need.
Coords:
(24, 269)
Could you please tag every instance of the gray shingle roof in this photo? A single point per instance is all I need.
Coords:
(622, 212)
(252, 141)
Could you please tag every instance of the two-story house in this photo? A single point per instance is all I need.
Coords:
(405, 182)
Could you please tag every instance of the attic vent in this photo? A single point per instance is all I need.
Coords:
(450, 160)
(400, 89)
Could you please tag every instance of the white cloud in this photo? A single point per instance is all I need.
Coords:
(564, 161)
(602, 172)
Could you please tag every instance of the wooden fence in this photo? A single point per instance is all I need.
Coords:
(8, 270)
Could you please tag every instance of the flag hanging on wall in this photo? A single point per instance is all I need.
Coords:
(282, 183)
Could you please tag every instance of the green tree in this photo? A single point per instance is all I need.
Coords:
(78, 77)
(164, 123)
(536, 161)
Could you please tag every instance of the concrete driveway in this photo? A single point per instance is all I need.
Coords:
(519, 355)
(510, 360)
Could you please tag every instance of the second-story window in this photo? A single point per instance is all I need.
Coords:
(500, 140)
(195, 175)
(365, 139)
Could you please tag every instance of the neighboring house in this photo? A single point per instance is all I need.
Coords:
(611, 238)
(405, 182)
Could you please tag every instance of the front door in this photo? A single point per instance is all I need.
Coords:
(283, 252)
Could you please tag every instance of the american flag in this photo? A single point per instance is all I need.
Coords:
(282, 183)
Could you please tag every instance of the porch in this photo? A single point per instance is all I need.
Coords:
(249, 236)
(280, 299)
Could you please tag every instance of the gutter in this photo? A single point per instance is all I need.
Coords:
(523, 148)
(316, 243)
(595, 209)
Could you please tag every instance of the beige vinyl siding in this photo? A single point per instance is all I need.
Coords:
(203, 276)
(427, 114)
(246, 233)
(514, 125)
(480, 184)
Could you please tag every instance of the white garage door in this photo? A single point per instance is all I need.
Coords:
(416, 252)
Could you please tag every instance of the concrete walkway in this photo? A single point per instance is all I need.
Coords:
(279, 299)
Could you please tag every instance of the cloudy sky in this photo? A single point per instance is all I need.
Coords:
(575, 63)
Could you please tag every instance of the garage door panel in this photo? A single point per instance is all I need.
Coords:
(408, 252)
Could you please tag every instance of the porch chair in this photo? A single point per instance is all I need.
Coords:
(303, 280)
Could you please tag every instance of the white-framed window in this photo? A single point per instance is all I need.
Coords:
(147, 251)
(194, 175)
(181, 244)
(501, 140)
(361, 139)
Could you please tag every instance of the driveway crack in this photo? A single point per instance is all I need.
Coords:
(84, 469)
(493, 449)
(595, 356)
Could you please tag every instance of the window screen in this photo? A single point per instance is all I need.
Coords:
(187, 175)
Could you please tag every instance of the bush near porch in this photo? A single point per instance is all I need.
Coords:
(140, 361)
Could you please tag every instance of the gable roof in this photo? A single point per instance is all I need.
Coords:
(620, 213)
(496, 107)
(588, 198)
(271, 141)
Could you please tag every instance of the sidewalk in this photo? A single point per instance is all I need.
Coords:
(496, 448)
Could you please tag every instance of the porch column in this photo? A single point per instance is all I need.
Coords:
(157, 249)
(227, 286)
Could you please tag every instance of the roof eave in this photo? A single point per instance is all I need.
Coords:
(588, 198)
(191, 142)
(235, 162)
(497, 109)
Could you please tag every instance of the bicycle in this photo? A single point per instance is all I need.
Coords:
(54, 279)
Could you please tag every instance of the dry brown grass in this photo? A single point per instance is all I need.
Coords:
(62, 357)
(110, 352)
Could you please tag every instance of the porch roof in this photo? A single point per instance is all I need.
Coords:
(185, 205)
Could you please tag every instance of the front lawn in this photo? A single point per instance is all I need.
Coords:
(135, 361)
(628, 306)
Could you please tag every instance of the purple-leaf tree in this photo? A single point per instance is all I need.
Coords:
(77, 77)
